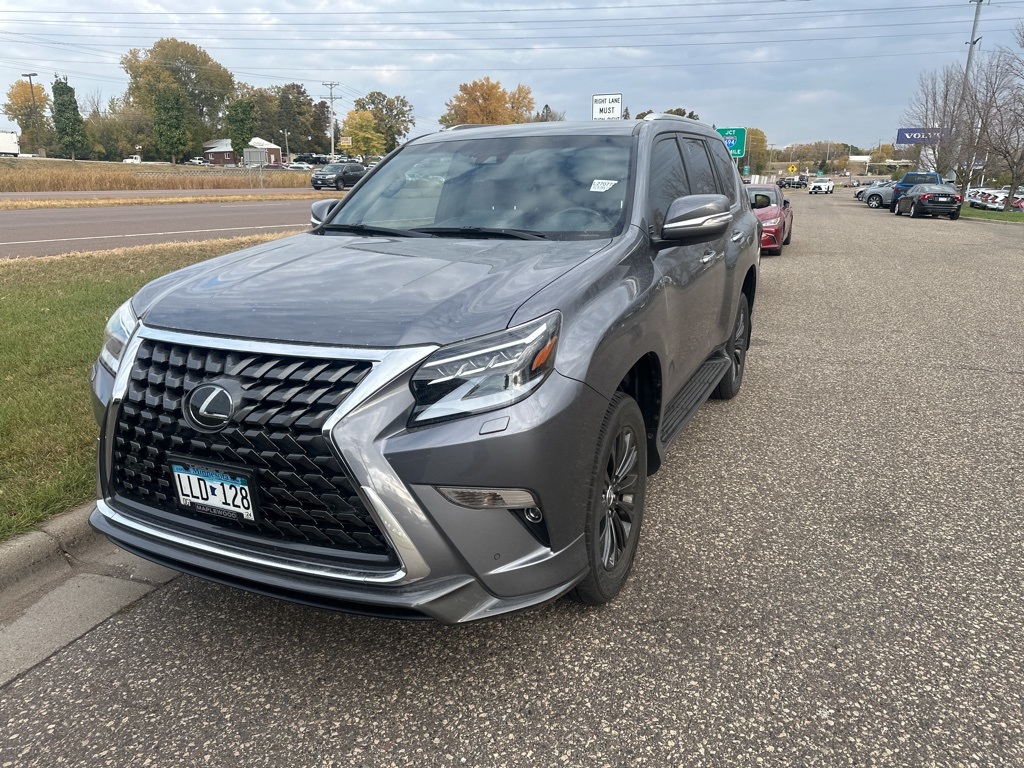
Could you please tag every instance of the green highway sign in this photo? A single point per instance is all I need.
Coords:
(735, 140)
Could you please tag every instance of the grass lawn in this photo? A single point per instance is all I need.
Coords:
(52, 313)
(981, 213)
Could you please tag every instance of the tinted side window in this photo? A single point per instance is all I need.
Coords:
(727, 173)
(667, 180)
(698, 167)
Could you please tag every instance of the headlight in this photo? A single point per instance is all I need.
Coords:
(119, 328)
(485, 373)
(772, 222)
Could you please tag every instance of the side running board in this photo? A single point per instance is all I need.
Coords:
(691, 397)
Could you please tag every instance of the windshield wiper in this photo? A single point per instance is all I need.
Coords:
(517, 234)
(367, 229)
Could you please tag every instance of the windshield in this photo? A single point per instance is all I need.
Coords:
(559, 187)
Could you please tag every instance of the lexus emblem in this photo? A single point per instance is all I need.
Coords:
(209, 407)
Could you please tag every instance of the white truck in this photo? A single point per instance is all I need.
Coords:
(132, 159)
(9, 144)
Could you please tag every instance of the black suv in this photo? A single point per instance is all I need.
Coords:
(337, 175)
(445, 399)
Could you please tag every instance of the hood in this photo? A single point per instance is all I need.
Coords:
(771, 212)
(360, 291)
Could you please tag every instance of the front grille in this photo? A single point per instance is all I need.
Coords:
(306, 496)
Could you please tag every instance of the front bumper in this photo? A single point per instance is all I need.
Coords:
(771, 238)
(455, 564)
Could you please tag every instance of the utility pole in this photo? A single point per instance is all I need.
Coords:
(35, 111)
(330, 87)
(287, 153)
(962, 119)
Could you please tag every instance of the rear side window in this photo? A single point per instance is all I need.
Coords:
(668, 180)
(727, 173)
(698, 167)
(920, 178)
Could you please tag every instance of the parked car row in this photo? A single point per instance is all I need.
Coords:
(995, 199)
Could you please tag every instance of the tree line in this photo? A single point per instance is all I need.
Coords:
(179, 97)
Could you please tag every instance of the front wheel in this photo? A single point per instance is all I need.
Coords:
(736, 349)
(616, 507)
(339, 185)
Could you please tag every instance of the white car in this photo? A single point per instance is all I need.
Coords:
(299, 167)
(822, 184)
(132, 159)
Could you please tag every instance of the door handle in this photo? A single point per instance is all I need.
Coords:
(737, 235)
(708, 256)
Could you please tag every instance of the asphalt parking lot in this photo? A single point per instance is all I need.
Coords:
(830, 573)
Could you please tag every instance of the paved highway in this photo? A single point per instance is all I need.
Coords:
(830, 573)
(52, 231)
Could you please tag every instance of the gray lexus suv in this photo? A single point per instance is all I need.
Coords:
(443, 400)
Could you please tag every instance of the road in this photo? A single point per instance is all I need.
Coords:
(830, 573)
(52, 231)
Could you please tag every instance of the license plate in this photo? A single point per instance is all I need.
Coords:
(214, 490)
(942, 199)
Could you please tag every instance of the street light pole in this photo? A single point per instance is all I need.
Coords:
(35, 111)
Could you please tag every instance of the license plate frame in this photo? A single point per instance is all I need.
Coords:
(201, 485)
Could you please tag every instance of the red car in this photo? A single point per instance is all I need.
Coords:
(775, 213)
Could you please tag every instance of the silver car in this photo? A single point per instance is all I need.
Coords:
(879, 196)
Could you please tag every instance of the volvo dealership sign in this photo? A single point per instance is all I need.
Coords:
(919, 135)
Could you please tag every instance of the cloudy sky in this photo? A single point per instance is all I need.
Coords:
(800, 70)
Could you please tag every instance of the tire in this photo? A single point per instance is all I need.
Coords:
(616, 508)
(875, 201)
(789, 236)
(896, 209)
(736, 348)
(954, 215)
(339, 185)
(915, 212)
(316, 188)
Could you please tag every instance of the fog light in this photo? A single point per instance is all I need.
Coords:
(489, 498)
(533, 515)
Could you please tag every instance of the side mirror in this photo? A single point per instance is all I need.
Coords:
(785, 203)
(697, 218)
(321, 210)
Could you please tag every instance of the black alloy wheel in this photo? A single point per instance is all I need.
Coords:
(616, 508)
(736, 348)
(339, 185)
(915, 212)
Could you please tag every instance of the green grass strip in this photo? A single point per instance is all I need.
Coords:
(52, 313)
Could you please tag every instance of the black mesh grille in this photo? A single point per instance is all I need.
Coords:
(305, 495)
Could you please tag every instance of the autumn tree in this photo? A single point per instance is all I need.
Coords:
(486, 102)
(28, 112)
(206, 84)
(361, 127)
(758, 153)
(241, 117)
(67, 120)
(392, 116)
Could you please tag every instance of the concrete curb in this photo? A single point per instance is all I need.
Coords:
(51, 548)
